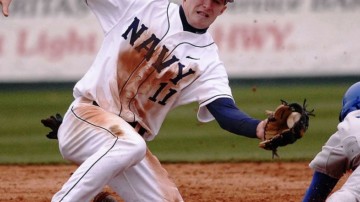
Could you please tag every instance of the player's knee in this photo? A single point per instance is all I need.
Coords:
(140, 148)
(135, 146)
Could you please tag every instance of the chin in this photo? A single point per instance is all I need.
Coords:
(201, 26)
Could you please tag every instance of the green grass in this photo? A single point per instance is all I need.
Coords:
(182, 138)
(22, 136)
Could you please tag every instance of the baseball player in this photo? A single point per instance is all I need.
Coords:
(155, 56)
(340, 154)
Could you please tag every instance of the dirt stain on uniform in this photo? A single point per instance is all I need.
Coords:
(149, 79)
(166, 184)
(99, 117)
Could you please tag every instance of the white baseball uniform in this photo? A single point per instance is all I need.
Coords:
(147, 66)
(340, 154)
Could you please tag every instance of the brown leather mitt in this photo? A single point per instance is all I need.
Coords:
(285, 125)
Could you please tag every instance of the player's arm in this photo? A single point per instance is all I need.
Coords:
(5, 7)
(320, 187)
(232, 119)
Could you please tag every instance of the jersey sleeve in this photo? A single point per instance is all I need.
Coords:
(211, 85)
(109, 12)
(217, 87)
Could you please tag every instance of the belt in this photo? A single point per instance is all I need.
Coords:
(141, 130)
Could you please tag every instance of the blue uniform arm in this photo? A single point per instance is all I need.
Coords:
(230, 118)
(320, 187)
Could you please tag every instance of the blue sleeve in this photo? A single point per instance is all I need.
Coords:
(320, 188)
(230, 118)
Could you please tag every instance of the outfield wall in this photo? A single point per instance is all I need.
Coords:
(57, 40)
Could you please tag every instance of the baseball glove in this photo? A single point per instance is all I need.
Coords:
(53, 122)
(285, 125)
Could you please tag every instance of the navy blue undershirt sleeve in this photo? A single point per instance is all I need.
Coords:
(320, 188)
(230, 118)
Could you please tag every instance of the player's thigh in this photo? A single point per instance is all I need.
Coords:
(146, 181)
(86, 128)
(342, 195)
(350, 191)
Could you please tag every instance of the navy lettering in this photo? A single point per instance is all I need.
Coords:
(135, 34)
(162, 86)
(152, 42)
(159, 64)
(180, 74)
(163, 60)
(167, 96)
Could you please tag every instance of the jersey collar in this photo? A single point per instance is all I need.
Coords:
(187, 26)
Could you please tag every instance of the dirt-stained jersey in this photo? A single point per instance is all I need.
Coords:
(147, 66)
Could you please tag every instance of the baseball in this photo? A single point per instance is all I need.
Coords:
(293, 118)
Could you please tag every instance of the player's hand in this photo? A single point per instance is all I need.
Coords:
(5, 7)
(260, 129)
(53, 122)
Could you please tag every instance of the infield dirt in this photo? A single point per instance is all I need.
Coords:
(215, 182)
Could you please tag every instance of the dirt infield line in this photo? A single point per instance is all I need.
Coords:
(216, 182)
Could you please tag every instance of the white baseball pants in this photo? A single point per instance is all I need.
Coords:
(109, 152)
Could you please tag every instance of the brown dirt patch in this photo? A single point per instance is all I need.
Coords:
(248, 182)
